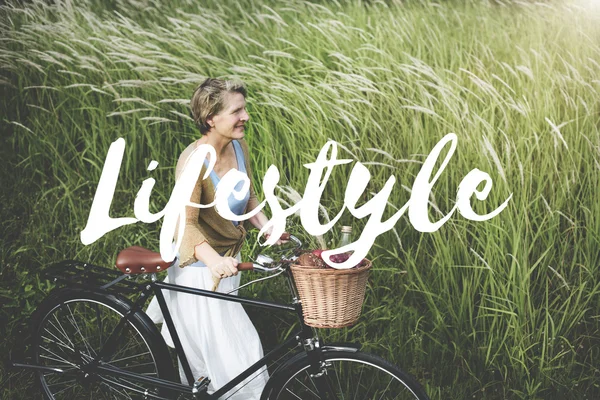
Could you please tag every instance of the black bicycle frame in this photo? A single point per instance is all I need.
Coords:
(94, 277)
(304, 336)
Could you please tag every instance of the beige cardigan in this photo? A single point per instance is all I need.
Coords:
(206, 225)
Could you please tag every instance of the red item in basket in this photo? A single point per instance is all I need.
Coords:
(338, 258)
(311, 260)
(318, 252)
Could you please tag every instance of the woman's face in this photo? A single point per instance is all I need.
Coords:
(231, 120)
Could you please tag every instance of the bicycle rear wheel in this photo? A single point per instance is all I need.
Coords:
(69, 330)
(352, 376)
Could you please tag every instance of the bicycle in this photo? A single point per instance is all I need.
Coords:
(90, 341)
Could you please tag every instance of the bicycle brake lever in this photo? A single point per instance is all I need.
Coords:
(263, 263)
(262, 260)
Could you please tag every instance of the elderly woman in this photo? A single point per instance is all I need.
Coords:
(218, 338)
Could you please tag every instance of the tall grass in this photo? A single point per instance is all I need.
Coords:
(506, 308)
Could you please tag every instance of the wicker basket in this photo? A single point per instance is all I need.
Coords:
(331, 298)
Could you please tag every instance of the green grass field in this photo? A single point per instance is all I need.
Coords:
(503, 309)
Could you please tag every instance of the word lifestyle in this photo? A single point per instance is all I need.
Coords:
(99, 222)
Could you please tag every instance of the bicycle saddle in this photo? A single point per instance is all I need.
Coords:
(138, 260)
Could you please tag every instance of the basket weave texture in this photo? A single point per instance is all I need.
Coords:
(331, 298)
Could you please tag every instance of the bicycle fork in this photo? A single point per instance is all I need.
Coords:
(318, 371)
(318, 366)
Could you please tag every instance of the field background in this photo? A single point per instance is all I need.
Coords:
(503, 309)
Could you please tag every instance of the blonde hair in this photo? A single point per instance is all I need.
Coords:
(209, 98)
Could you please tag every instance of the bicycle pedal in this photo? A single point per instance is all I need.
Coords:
(201, 385)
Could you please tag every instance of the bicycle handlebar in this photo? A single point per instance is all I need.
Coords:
(245, 266)
(249, 266)
(285, 236)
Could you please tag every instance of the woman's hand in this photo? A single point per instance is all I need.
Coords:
(279, 241)
(224, 267)
(260, 220)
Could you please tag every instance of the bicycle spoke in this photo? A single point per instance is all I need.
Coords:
(112, 387)
(57, 360)
(59, 357)
(116, 391)
(126, 394)
(264, 369)
(142, 390)
(362, 368)
(386, 388)
(61, 330)
(125, 349)
(313, 383)
(61, 366)
(62, 390)
(370, 386)
(396, 396)
(101, 391)
(135, 386)
(147, 373)
(59, 380)
(76, 326)
(339, 383)
(129, 357)
(307, 388)
(293, 394)
(72, 333)
(134, 366)
(62, 383)
(87, 339)
(60, 347)
(99, 319)
(359, 376)
(59, 342)
(76, 394)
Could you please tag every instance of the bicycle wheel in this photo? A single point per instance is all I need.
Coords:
(352, 376)
(69, 330)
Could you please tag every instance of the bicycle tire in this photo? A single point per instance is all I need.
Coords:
(354, 376)
(69, 328)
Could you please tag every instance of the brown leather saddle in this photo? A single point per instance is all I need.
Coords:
(139, 260)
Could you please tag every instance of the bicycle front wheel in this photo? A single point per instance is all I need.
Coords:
(352, 376)
(69, 330)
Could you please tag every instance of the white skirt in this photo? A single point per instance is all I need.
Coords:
(218, 338)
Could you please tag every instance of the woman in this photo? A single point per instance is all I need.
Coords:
(218, 338)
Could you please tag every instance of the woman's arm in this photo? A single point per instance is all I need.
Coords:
(219, 266)
(192, 234)
(194, 245)
(260, 219)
